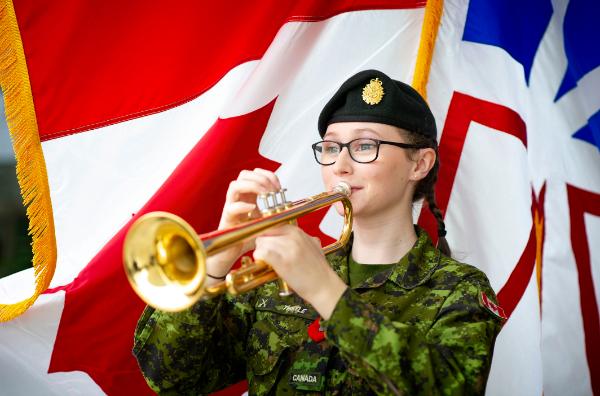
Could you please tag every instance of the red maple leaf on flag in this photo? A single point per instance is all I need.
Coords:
(101, 309)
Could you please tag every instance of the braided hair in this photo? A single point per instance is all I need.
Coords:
(425, 187)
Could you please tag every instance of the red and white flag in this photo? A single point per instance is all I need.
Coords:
(140, 107)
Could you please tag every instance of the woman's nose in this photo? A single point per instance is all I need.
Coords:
(343, 163)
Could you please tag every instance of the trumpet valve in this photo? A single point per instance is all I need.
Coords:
(274, 202)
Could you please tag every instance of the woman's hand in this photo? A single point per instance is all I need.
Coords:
(298, 259)
(240, 206)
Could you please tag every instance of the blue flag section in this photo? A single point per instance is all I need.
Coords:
(513, 25)
(591, 132)
(518, 28)
(581, 36)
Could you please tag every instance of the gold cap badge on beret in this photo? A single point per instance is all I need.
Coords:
(372, 93)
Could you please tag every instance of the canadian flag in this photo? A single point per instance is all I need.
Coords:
(122, 108)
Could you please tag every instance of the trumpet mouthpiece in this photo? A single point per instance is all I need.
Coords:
(344, 188)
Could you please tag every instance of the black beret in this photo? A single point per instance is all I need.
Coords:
(371, 96)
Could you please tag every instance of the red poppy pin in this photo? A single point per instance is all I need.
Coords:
(315, 332)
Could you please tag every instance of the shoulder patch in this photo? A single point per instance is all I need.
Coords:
(496, 310)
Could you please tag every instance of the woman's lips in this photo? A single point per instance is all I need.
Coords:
(353, 189)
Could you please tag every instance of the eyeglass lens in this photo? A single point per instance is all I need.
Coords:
(361, 150)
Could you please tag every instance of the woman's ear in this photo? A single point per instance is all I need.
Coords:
(423, 164)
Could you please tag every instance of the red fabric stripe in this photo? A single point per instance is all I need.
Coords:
(581, 202)
(510, 294)
(463, 110)
(93, 64)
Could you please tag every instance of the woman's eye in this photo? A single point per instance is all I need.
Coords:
(365, 147)
(332, 149)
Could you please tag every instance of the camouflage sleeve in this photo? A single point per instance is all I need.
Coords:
(452, 357)
(196, 351)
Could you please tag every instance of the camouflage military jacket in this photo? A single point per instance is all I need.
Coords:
(418, 328)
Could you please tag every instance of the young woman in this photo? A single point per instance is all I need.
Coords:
(390, 314)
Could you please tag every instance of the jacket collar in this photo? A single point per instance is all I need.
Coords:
(414, 269)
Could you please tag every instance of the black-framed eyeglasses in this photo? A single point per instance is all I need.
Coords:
(361, 150)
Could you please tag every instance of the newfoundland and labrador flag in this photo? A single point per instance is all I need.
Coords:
(121, 108)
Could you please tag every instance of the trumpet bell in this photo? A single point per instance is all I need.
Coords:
(165, 261)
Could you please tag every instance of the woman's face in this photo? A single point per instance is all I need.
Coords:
(382, 187)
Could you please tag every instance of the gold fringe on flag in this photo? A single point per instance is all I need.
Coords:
(431, 24)
(31, 167)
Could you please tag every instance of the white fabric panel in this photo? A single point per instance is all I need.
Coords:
(592, 228)
(490, 204)
(519, 340)
(553, 157)
(560, 159)
(564, 360)
(25, 351)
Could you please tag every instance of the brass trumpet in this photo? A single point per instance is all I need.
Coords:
(165, 260)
